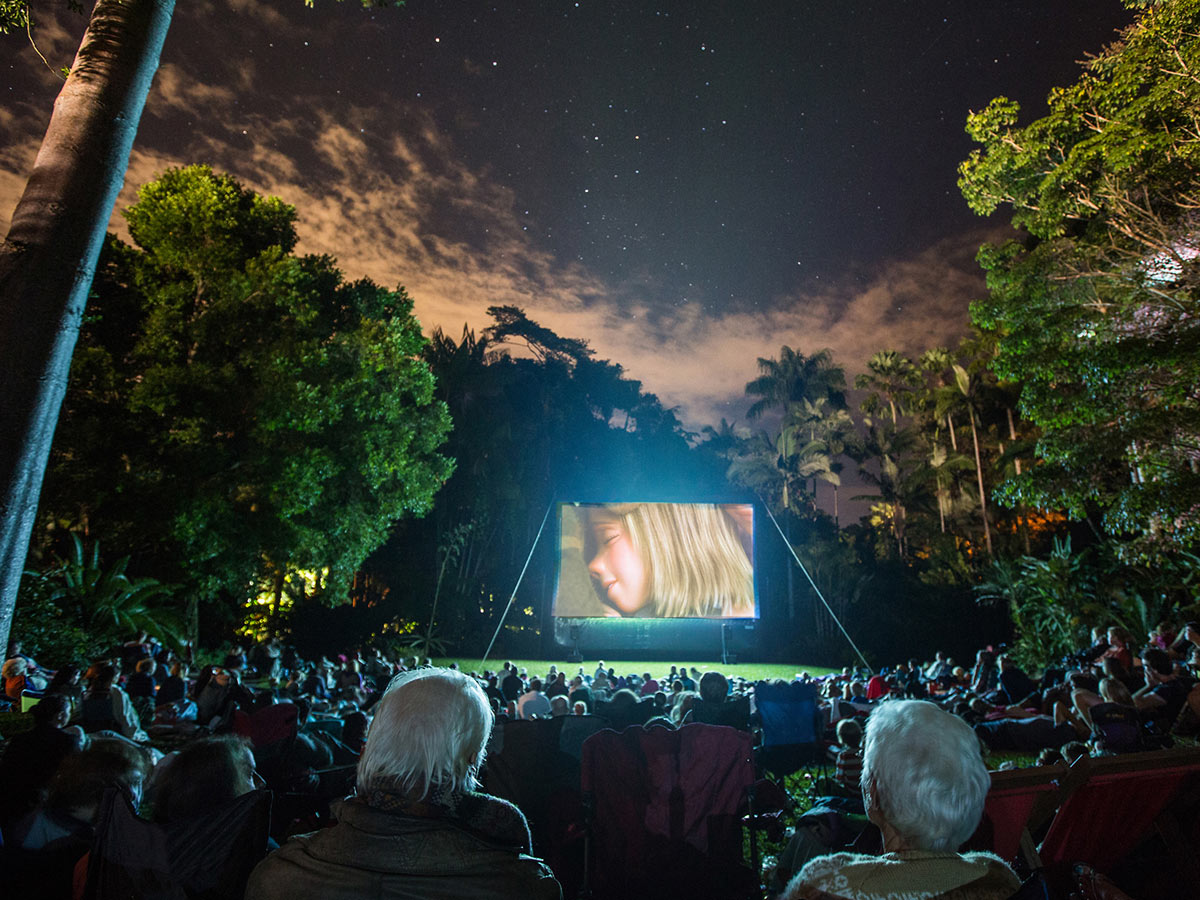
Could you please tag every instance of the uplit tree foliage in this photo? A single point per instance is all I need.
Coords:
(235, 411)
(537, 418)
(49, 256)
(1096, 309)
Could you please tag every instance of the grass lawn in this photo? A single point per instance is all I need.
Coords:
(539, 667)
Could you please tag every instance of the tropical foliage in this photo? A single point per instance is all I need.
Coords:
(1096, 307)
(1055, 601)
(79, 609)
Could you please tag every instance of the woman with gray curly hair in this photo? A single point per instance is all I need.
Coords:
(924, 785)
(416, 826)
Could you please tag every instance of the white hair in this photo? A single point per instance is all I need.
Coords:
(924, 773)
(14, 667)
(429, 733)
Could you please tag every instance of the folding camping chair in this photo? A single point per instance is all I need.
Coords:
(664, 813)
(300, 793)
(208, 857)
(1016, 798)
(1112, 806)
(531, 765)
(791, 727)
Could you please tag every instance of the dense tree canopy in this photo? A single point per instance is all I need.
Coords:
(1096, 310)
(235, 411)
(537, 418)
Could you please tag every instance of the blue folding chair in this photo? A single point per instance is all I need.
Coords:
(791, 726)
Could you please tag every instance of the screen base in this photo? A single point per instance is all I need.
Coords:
(657, 639)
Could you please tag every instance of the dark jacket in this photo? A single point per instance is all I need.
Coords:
(371, 853)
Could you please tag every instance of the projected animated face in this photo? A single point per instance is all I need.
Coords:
(617, 565)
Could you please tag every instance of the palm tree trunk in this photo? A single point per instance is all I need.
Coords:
(1012, 435)
(835, 506)
(950, 428)
(941, 504)
(49, 257)
(987, 531)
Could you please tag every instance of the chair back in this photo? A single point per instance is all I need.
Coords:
(1114, 809)
(792, 725)
(1120, 727)
(665, 812)
(208, 857)
(531, 766)
(1011, 803)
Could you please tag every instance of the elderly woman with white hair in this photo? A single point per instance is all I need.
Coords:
(416, 826)
(924, 785)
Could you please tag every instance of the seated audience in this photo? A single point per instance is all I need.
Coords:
(924, 785)
(1165, 691)
(625, 709)
(174, 686)
(66, 681)
(1112, 715)
(416, 826)
(36, 677)
(581, 693)
(203, 777)
(13, 672)
(848, 762)
(143, 689)
(66, 818)
(1017, 687)
(108, 708)
(32, 757)
(533, 703)
(717, 707)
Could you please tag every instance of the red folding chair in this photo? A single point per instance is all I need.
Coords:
(1017, 798)
(664, 813)
(1115, 808)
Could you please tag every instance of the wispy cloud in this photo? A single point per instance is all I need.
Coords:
(384, 190)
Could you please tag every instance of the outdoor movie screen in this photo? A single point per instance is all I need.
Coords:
(656, 560)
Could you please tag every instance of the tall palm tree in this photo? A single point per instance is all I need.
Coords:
(835, 429)
(947, 469)
(795, 377)
(890, 377)
(892, 449)
(754, 465)
(968, 395)
(938, 364)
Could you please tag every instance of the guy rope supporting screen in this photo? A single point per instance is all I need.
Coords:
(832, 614)
(517, 586)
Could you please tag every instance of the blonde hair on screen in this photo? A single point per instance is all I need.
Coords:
(695, 562)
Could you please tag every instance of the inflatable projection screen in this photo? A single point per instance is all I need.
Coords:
(656, 561)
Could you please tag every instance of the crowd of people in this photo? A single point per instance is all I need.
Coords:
(375, 760)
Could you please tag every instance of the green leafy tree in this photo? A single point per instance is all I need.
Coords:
(1096, 310)
(49, 256)
(238, 412)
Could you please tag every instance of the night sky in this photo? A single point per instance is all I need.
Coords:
(686, 185)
